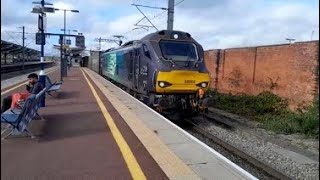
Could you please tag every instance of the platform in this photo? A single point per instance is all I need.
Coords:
(94, 130)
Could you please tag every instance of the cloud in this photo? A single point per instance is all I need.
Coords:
(214, 24)
(247, 23)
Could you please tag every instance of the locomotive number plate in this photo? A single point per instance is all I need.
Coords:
(189, 81)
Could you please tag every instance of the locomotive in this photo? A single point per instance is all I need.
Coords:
(164, 69)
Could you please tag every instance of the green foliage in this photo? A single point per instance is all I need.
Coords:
(272, 111)
(243, 104)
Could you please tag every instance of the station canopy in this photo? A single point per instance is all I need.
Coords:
(9, 48)
(71, 50)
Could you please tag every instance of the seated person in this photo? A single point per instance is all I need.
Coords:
(33, 87)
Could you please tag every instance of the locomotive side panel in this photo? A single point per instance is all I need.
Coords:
(115, 68)
(147, 70)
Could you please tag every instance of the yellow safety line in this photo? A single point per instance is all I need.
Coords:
(23, 83)
(132, 164)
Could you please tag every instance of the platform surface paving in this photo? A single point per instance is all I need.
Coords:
(74, 141)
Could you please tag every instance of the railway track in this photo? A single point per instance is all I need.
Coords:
(265, 171)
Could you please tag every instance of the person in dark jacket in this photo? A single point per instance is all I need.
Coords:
(33, 87)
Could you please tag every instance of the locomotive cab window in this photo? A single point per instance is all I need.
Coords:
(179, 51)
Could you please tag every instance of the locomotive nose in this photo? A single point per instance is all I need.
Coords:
(181, 81)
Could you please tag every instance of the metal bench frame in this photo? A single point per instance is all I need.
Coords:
(18, 120)
(52, 86)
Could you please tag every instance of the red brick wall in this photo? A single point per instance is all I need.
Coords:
(289, 70)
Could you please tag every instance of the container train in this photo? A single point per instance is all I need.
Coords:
(165, 69)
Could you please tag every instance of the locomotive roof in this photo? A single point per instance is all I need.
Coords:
(169, 35)
(157, 36)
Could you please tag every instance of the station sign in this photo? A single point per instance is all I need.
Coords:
(80, 41)
(40, 23)
(39, 40)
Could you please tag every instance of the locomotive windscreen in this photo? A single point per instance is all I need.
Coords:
(178, 51)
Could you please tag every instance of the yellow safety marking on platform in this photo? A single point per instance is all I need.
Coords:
(20, 84)
(169, 162)
(132, 164)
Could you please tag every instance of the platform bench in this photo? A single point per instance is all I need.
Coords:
(52, 87)
(17, 120)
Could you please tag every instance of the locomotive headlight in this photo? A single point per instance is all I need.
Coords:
(203, 84)
(164, 84)
(161, 84)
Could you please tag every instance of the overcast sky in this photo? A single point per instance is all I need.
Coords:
(213, 23)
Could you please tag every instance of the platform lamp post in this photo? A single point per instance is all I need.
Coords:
(69, 30)
(42, 10)
(23, 38)
(64, 63)
(69, 58)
